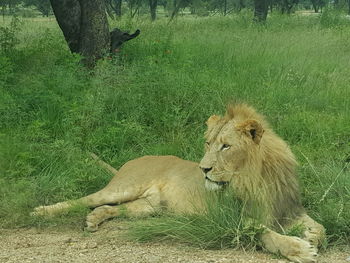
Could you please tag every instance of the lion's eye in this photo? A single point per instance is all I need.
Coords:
(207, 144)
(225, 147)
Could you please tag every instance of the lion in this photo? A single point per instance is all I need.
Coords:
(241, 153)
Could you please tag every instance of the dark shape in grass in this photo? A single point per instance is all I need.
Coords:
(118, 37)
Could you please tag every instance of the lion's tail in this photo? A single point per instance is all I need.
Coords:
(103, 164)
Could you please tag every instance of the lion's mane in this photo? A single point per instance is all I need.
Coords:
(269, 180)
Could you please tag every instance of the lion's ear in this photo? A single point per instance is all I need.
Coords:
(213, 120)
(252, 129)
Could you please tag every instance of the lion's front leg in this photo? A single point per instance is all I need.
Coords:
(314, 232)
(293, 248)
(136, 208)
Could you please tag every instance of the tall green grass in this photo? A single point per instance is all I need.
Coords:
(154, 98)
(223, 225)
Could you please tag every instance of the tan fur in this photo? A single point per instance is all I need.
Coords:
(242, 152)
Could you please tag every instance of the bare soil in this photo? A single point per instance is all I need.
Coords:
(107, 245)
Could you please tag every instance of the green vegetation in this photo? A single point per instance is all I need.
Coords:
(154, 97)
(223, 225)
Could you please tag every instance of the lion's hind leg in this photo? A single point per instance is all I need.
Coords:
(136, 208)
(105, 196)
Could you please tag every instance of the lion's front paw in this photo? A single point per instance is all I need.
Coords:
(312, 238)
(315, 236)
(293, 248)
(94, 219)
(91, 227)
(298, 250)
(97, 216)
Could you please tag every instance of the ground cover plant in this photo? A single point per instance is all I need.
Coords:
(223, 225)
(154, 98)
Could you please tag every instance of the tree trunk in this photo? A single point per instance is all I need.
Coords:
(118, 8)
(153, 8)
(289, 9)
(177, 4)
(260, 12)
(85, 27)
(67, 13)
(241, 5)
(134, 6)
(316, 5)
(3, 12)
(94, 31)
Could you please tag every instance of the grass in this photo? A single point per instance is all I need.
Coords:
(223, 225)
(155, 96)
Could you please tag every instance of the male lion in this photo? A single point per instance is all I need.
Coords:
(242, 152)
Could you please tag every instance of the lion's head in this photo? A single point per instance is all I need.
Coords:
(242, 152)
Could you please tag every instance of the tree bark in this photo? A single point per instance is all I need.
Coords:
(260, 11)
(153, 8)
(241, 5)
(94, 31)
(177, 4)
(315, 5)
(116, 6)
(85, 27)
(67, 13)
(3, 8)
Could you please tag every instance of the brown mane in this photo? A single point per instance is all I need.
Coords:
(270, 180)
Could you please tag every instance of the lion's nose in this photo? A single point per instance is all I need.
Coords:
(206, 170)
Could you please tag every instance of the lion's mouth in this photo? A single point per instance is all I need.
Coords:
(220, 183)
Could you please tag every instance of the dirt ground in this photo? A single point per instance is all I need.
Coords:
(106, 245)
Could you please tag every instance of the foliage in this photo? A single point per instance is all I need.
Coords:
(331, 18)
(318, 4)
(154, 96)
(8, 36)
(172, 8)
(10, 4)
(43, 6)
(223, 225)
